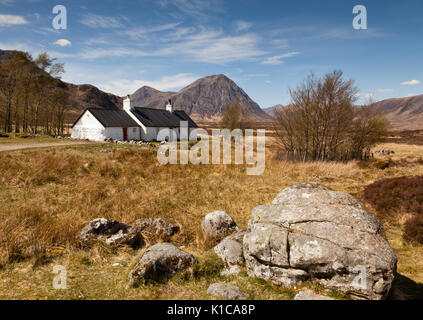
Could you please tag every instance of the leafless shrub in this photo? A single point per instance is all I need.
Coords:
(236, 116)
(323, 124)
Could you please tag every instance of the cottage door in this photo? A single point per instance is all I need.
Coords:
(125, 134)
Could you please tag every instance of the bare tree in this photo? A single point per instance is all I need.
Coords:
(236, 116)
(368, 128)
(31, 94)
(321, 122)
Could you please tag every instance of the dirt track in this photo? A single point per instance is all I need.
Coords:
(18, 146)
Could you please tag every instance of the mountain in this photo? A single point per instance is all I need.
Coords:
(270, 110)
(85, 95)
(204, 100)
(403, 113)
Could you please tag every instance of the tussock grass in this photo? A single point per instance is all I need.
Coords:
(47, 196)
(401, 200)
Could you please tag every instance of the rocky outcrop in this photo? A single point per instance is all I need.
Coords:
(226, 291)
(310, 295)
(230, 250)
(312, 233)
(160, 262)
(112, 233)
(217, 225)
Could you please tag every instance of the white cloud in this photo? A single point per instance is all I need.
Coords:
(212, 46)
(6, 2)
(197, 8)
(350, 34)
(268, 81)
(411, 83)
(139, 33)
(111, 52)
(178, 34)
(385, 90)
(242, 26)
(278, 59)
(280, 43)
(208, 46)
(63, 43)
(7, 20)
(97, 21)
(364, 95)
(16, 46)
(195, 44)
(123, 87)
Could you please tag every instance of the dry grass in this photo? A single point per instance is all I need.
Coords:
(47, 196)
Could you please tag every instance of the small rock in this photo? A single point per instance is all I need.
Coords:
(161, 262)
(117, 264)
(230, 250)
(310, 295)
(226, 291)
(111, 232)
(130, 236)
(230, 271)
(217, 225)
(161, 227)
(33, 250)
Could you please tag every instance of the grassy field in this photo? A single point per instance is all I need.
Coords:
(47, 196)
(23, 138)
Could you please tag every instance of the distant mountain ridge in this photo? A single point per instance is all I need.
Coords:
(270, 111)
(403, 113)
(205, 99)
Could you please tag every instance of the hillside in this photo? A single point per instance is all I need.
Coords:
(403, 113)
(86, 95)
(82, 96)
(270, 110)
(205, 99)
(5, 55)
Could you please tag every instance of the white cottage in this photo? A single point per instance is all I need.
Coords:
(132, 123)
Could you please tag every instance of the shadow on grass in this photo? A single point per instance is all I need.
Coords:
(404, 288)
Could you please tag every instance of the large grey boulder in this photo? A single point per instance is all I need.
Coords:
(111, 232)
(217, 225)
(313, 233)
(230, 250)
(161, 262)
(226, 291)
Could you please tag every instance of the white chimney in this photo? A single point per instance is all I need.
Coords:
(127, 105)
(169, 106)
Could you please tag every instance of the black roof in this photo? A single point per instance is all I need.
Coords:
(183, 115)
(162, 118)
(111, 117)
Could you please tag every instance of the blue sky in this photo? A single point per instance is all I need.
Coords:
(266, 47)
